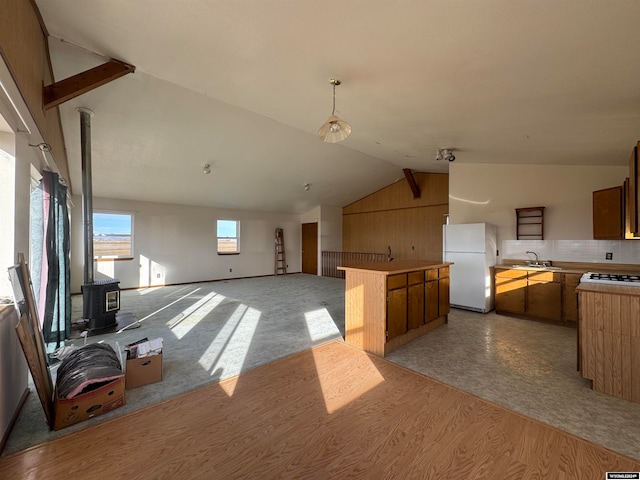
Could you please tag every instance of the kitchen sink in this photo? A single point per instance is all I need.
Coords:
(536, 267)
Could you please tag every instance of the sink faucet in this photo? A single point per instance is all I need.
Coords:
(535, 254)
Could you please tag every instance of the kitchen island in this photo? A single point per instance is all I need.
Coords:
(388, 304)
(609, 338)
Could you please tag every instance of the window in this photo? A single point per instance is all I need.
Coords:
(113, 235)
(228, 237)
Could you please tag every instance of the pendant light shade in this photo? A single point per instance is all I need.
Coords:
(335, 129)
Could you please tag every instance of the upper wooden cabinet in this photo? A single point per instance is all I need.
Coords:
(633, 196)
(608, 214)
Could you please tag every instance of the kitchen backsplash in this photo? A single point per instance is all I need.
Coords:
(624, 251)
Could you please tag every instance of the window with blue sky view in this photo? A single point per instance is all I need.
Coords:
(112, 235)
(228, 236)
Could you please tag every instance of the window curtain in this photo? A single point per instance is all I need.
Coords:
(50, 259)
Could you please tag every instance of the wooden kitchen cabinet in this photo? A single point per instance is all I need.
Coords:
(533, 293)
(633, 196)
(388, 304)
(396, 309)
(570, 297)
(432, 300)
(609, 339)
(511, 286)
(608, 214)
(415, 301)
(544, 295)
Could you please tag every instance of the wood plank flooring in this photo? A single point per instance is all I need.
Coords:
(329, 412)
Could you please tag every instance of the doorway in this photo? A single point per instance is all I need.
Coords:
(310, 248)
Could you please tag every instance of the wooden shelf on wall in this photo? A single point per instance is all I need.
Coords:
(530, 223)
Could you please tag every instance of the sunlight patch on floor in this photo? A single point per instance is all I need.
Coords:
(182, 323)
(168, 305)
(226, 354)
(368, 377)
(320, 325)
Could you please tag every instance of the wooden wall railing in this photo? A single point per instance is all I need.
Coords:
(331, 261)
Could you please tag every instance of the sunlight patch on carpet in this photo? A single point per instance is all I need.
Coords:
(321, 326)
(226, 354)
(182, 323)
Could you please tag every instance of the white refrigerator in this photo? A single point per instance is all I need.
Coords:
(472, 249)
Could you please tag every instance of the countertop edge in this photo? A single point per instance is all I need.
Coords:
(402, 267)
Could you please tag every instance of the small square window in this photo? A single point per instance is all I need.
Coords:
(112, 235)
(228, 237)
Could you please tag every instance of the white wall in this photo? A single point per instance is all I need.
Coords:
(331, 228)
(179, 243)
(491, 193)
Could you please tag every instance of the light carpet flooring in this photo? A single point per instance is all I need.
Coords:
(216, 330)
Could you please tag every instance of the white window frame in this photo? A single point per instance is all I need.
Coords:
(128, 256)
(236, 237)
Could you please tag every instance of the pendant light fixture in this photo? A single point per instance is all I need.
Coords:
(335, 129)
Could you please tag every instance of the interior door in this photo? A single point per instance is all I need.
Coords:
(310, 248)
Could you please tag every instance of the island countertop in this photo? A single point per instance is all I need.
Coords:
(396, 266)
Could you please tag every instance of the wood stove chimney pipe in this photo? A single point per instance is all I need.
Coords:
(87, 192)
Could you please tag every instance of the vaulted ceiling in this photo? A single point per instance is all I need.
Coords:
(243, 86)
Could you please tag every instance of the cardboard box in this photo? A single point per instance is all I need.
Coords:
(143, 371)
(68, 411)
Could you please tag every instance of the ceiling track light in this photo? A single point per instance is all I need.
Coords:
(206, 169)
(446, 154)
(335, 129)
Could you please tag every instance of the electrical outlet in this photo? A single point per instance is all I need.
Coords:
(230, 270)
(609, 256)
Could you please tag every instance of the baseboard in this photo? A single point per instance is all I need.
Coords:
(195, 281)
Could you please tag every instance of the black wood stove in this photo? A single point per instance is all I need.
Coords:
(100, 303)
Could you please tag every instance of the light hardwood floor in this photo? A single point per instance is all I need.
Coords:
(329, 412)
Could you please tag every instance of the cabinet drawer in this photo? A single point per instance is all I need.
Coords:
(396, 281)
(443, 272)
(545, 276)
(511, 273)
(432, 274)
(416, 277)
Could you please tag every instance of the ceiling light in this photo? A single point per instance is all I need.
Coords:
(335, 129)
(206, 169)
(446, 154)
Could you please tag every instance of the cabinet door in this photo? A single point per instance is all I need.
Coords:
(569, 297)
(511, 286)
(544, 299)
(396, 312)
(608, 214)
(444, 305)
(633, 203)
(431, 301)
(415, 316)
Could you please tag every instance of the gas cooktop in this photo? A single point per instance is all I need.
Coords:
(611, 278)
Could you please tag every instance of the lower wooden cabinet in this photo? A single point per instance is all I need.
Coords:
(570, 297)
(396, 312)
(388, 304)
(544, 299)
(432, 299)
(416, 298)
(444, 304)
(533, 293)
(511, 286)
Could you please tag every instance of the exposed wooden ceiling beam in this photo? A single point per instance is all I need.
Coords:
(412, 182)
(71, 87)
